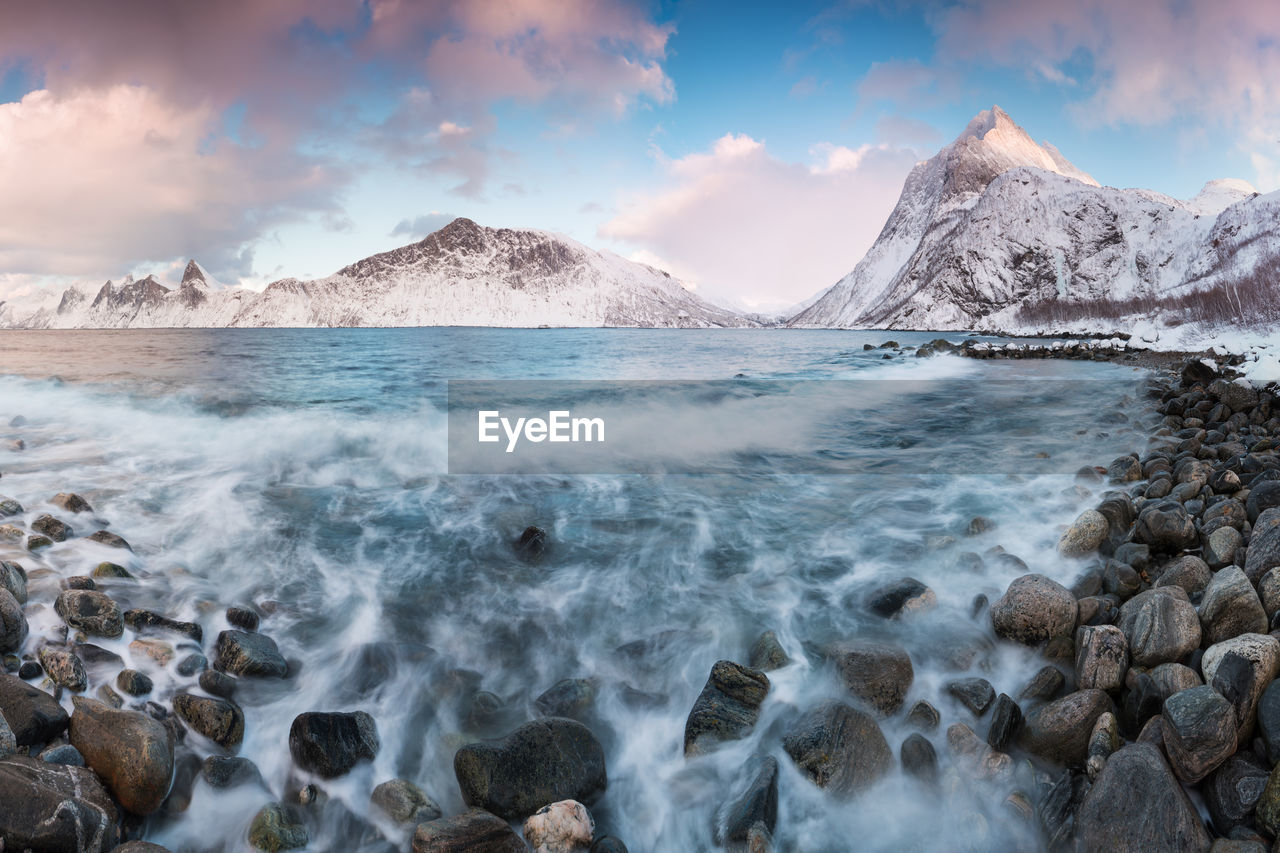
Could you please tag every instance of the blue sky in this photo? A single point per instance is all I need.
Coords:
(754, 149)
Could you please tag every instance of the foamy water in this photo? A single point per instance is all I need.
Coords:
(308, 468)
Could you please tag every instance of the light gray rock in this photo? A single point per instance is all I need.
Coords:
(1161, 625)
(1240, 669)
(1230, 607)
(563, 827)
(1059, 731)
(1102, 657)
(1189, 572)
(1263, 553)
(1085, 534)
(1033, 610)
(1221, 545)
(1137, 804)
(1199, 732)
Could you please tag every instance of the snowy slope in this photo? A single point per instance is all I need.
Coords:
(462, 275)
(995, 221)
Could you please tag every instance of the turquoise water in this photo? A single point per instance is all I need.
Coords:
(308, 468)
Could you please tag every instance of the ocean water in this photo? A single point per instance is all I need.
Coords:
(308, 471)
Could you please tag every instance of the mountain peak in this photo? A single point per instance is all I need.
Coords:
(993, 143)
(193, 274)
(986, 121)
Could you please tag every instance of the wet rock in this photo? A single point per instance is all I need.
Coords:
(839, 748)
(330, 744)
(150, 622)
(572, 698)
(475, 831)
(1120, 580)
(767, 653)
(34, 716)
(1137, 804)
(1269, 720)
(1166, 526)
(1059, 731)
(532, 543)
(111, 570)
(1232, 791)
(1262, 497)
(1102, 657)
(90, 611)
(877, 673)
(563, 827)
(241, 653)
(274, 829)
(757, 804)
(727, 707)
(1231, 607)
(404, 802)
(129, 750)
(923, 716)
(29, 670)
(133, 682)
(919, 758)
(230, 771)
(243, 618)
(1126, 469)
(1006, 720)
(1044, 685)
(158, 650)
(64, 669)
(217, 719)
(1221, 547)
(51, 807)
(140, 847)
(541, 762)
(1267, 814)
(1239, 669)
(62, 754)
(1034, 610)
(1189, 572)
(1103, 741)
(71, 502)
(975, 755)
(1263, 552)
(1228, 513)
(609, 844)
(976, 694)
(111, 540)
(54, 529)
(13, 623)
(14, 578)
(1199, 732)
(192, 664)
(900, 597)
(1085, 534)
(217, 684)
(9, 507)
(1161, 625)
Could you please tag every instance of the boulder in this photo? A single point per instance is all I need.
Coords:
(52, 528)
(923, 716)
(975, 756)
(230, 771)
(64, 669)
(756, 804)
(217, 719)
(1085, 534)
(1137, 804)
(900, 597)
(727, 707)
(14, 578)
(49, 808)
(1221, 547)
(274, 828)
(563, 827)
(839, 747)
(1189, 572)
(475, 831)
(1033, 610)
(1262, 497)
(1006, 720)
(919, 758)
(90, 611)
(128, 749)
(1044, 685)
(243, 653)
(134, 683)
(1263, 552)
(1166, 526)
(1102, 657)
(1059, 731)
(111, 540)
(1267, 813)
(569, 697)
(1230, 607)
(1199, 732)
(34, 716)
(13, 623)
(976, 694)
(1232, 791)
(330, 744)
(1239, 669)
(1268, 717)
(71, 502)
(404, 802)
(150, 622)
(767, 654)
(877, 673)
(1161, 625)
(544, 761)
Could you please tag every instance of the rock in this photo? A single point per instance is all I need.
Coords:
(217, 684)
(757, 804)
(727, 707)
(1059, 731)
(150, 622)
(923, 716)
(1103, 741)
(34, 716)
(274, 829)
(110, 539)
(1232, 791)
(36, 543)
(111, 570)
(1085, 534)
(1044, 685)
(14, 578)
(475, 831)
(1239, 669)
(63, 754)
(158, 650)
(129, 750)
(64, 669)
(230, 771)
(572, 698)
(1137, 804)
(1236, 396)
(919, 758)
(1230, 607)
(404, 802)
(767, 653)
(241, 653)
(1228, 513)
(839, 748)
(1121, 580)
(976, 757)
(1006, 720)
(563, 827)
(1267, 814)
(1166, 526)
(243, 618)
(1263, 552)
(532, 543)
(1189, 572)
(140, 847)
(541, 762)
(217, 719)
(51, 807)
(330, 744)
(877, 673)
(609, 844)
(1102, 657)
(52, 528)
(90, 611)
(1221, 547)
(1268, 720)
(1199, 732)
(1126, 469)
(1034, 610)
(1160, 625)
(71, 502)
(13, 623)
(133, 682)
(976, 694)
(900, 597)
(1262, 497)
(9, 507)
(192, 664)
(29, 670)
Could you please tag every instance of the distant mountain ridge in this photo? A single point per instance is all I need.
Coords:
(462, 275)
(995, 222)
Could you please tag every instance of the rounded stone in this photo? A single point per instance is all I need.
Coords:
(1161, 625)
(1059, 731)
(330, 744)
(562, 827)
(130, 751)
(1230, 607)
(1085, 534)
(839, 747)
(1199, 732)
(877, 673)
(1033, 610)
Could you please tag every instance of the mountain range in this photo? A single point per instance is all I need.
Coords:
(991, 226)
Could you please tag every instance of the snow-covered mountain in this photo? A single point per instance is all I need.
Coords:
(462, 275)
(995, 221)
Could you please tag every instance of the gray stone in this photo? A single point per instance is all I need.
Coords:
(1221, 547)
(1239, 669)
(726, 709)
(230, 771)
(242, 653)
(1137, 804)
(1103, 741)
(1269, 720)
(877, 673)
(475, 831)
(330, 744)
(1161, 625)
(1006, 720)
(1044, 685)
(1230, 607)
(919, 758)
(217, 719)
(13, 623)
(923, 716)
(133, 682)
(130, 751)
(53, 528)
(1232, 791)
(1033, 610)
(839, 747)
(1059, 731)
(53, 807)
(1166, 526)
(274, 828)
(34, 716)
(756, 804)
(64, 669)
(1189, 572)
(1262, 497)
(1102, 657)
(1263, 553)
(767, 653)
(404, 802)
(976, 694)
(1199, 732)
(569, 697)
(14, 578)
(1085, 534)
(90, 611)
(63, 754)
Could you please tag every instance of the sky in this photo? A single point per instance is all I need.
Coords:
(754, 150)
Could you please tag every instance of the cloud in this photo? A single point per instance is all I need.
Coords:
(95, 183)
(901, 130)
(738, 220)
(421, 226)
